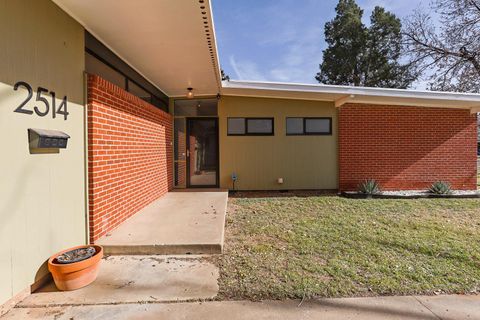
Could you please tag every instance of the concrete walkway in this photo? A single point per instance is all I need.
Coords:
(180, 222)
(384, 308)
(137, 279)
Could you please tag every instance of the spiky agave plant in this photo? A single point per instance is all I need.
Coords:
(440, 187)
(369, 186)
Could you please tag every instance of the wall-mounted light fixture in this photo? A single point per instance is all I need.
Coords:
(190, 94)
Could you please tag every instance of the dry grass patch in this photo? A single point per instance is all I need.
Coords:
(294, 247)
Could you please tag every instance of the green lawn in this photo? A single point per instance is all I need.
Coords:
(293, 247)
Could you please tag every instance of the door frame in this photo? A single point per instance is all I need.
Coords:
(217, 158)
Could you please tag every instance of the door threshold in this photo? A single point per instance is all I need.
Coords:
(213, 189)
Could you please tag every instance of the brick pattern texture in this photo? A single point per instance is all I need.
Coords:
(129, 157)
(181, 168)
(406, 147)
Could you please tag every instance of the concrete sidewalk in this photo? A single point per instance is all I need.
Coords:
(386, 308)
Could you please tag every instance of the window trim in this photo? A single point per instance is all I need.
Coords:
(245, 119)
(304, 133)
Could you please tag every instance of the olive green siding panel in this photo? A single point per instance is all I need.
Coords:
(42, 196)
(304, 162)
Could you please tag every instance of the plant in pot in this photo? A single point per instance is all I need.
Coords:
(76, 267)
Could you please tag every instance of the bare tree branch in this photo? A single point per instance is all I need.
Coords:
(449, 53)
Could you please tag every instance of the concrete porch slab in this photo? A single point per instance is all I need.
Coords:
(137, 279)
(181, 222)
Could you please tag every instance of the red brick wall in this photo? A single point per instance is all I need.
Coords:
(129, 156)
(406, 147)
(193, 154)
(181, 165)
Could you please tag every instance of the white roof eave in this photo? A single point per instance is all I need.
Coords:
(171, 43)
(346, 94)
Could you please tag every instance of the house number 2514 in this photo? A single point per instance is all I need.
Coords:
(42, 106)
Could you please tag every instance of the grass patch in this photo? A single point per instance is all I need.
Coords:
(278, 248)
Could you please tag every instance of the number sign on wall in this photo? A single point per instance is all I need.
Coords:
(43, 107)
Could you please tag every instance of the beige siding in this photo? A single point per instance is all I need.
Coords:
(42, 196)
(304, 162)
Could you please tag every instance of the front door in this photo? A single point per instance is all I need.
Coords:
(202, 152)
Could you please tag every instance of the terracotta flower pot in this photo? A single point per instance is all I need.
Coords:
(75, 275)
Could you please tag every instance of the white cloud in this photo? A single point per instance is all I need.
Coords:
(299, 61)
(246, 70)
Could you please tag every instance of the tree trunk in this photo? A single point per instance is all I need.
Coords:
(470, 57)
(476, 64)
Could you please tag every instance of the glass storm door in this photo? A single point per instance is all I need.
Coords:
(202, 152)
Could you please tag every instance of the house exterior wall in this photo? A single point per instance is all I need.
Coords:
(406, 147)
(304, 162)
(42, 196)
(130, 155)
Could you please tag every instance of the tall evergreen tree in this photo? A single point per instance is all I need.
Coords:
(382, 67)
(361, 56)
(345, 36)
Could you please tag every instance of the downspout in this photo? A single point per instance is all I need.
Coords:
(85, 155)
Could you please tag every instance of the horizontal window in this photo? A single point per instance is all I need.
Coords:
(138, 91)
(101, 61)
(195, 108)
(250, 126)
(95, 66)
(236, 126)
(309, 126)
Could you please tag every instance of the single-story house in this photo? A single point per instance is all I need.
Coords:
(107, 105)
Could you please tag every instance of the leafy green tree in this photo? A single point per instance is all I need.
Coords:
(361, 56)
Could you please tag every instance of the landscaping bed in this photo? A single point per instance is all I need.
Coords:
(411, 194)
(330, 246)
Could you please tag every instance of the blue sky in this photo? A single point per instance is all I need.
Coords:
(282, 40)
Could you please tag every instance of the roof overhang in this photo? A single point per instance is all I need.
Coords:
(172, 44)
(341, 95)
(169, 42)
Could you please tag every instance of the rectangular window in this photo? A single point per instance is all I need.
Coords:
(95, 66)
(250, 127)
(236, 126)
(260, 126)
(103, 62)
(139, 91)
(309, 126)
(196, 107)
(294, 126)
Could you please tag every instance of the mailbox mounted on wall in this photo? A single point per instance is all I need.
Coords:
(46, 141)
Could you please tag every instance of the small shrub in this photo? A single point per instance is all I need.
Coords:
(369, 186)
(440, 187)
